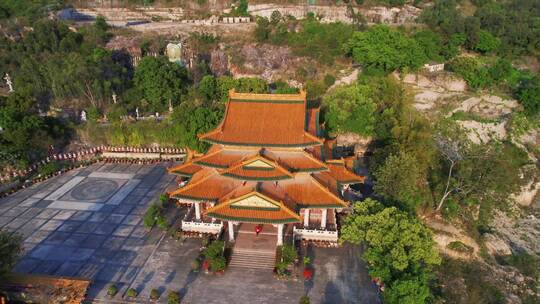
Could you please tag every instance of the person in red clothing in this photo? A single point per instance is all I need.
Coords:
(258, 229)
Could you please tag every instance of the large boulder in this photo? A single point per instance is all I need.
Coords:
(496, 245)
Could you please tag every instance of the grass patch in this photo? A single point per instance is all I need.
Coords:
(461, 115)
(460, 247)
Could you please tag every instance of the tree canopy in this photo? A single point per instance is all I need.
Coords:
(350, 109)
(399, 249)
(160, 82)
(382, 49)
(10, 250)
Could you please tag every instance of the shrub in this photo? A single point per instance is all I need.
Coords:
(49, 168)
(164, 200)
(527, 264)
(154, 294)
(304, 300)
(161, 222)
(112, 290)
(151, 216)
(288, 254)
(214, 254)
(472, 70)
(132, 293)
(329, 80)
(173, 298)
(460, 247)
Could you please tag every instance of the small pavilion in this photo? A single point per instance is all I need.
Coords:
(267, 165)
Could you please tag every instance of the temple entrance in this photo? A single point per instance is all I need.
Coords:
(247, 238)
(252, 250)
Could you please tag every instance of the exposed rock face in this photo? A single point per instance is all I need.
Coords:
(479, 132)
(378, 14)
(528, 193)
(352, 139)
(268, 62)
(496, 246)
(487, 106)
(219, 62)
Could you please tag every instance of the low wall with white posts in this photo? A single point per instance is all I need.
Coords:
(315, 235)
(13, 180)
(201, 227)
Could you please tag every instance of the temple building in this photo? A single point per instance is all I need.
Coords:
(267, 166)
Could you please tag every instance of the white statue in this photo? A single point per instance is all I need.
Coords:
(137, 112)
(157, 115)
(170, 106)
(114, 97)
(83, 115)
(9, 82)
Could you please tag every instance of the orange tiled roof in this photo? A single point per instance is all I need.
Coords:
(272, 120)
(295, 160)
(313, 121)
(305, 191)
(206, 185)
(245, 170)
(222, 158)
(343, 175)
(280, 213)
(187, 169)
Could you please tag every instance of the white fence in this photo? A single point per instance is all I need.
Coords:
(201, 227)
(315, 235)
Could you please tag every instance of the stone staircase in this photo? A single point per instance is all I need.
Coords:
(254, 259)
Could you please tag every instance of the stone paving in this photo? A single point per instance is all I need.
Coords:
(88, 223)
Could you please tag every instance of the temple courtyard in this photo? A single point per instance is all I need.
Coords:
(87, 223)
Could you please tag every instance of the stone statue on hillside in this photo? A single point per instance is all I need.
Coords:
(137, 113)
(9, 83)
(114, 97)
(83, 116)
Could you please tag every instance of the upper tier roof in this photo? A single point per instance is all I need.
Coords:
(271, 120)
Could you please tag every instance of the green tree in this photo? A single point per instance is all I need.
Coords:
(208, 88)
(160, 81)
(487, 43)
(399, 250)
(251, 85)
(431, 43)
(528, 94)
(382, 49)
(263, 30)
(189, 121)
(401, 180)
(10, 250)
(472, 70)
(349, 109)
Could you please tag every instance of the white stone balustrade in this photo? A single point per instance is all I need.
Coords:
(202, 227)
(315, 235)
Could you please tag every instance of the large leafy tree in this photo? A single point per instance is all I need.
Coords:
(528, 94)
(10, 250)
(350, 109)
(188, 121)
(399, 249)
(160, 82)
(401, 180)
(383, 49)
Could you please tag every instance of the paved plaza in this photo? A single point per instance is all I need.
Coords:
(88, 223)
